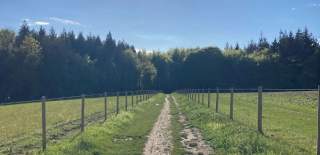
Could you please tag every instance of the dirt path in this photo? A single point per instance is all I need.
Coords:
(192, 140)
(159, 141)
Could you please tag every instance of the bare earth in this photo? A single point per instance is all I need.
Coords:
(192, 140)
(159, 141)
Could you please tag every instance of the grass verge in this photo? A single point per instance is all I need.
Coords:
(176, 128)
(232, 137)
(123, 134)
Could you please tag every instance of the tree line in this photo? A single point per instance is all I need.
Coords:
(41, 62)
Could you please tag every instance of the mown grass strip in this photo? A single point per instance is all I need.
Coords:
(124, 134)
(176, 128)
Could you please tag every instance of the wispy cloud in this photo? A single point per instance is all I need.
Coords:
(65, 21)
(314, 5)
(31, 22)
(293, 9)
(41, 23)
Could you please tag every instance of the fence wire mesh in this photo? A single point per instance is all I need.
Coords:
(288, 115)
(21, 127)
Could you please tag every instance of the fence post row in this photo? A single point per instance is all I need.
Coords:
(217, 100)
(44, 128)
(231, 103)
(82, 110)
(117, 107)
(260, 109)
(318, 140)
(82, 113)
(105, 106)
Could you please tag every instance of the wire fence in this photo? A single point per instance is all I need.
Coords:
(29, 126)
(288, 115)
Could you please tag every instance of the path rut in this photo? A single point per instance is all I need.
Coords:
(192, 139)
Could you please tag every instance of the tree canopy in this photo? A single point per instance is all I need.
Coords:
(41, 62)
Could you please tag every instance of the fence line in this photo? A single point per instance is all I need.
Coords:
(143, 95)
(194, 95)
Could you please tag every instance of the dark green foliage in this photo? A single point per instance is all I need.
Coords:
(36, 63)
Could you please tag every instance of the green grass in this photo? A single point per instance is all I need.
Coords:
(124, 134)
(289, 123)
(20, 129)
(176, 128)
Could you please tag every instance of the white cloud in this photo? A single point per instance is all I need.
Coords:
(315, 5)
(65, 21)
(31, 22)
(293, 9)
(41, 23)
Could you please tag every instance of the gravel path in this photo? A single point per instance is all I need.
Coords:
(192, 140)
(159, 141)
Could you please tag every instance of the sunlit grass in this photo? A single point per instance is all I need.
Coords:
(288, 117)
(124, 134)
(21, 123)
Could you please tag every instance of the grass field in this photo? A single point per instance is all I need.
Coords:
(289, 125)
(289, 118)
(20, 130)
(124, 134)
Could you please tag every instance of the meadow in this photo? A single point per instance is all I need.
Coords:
(124, 134)
(20, 130)
(289, 118)
(289, 124)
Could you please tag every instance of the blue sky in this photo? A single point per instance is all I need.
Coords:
(164, 24)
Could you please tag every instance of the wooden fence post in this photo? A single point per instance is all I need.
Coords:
(192, 93)
(318, 142)
(231, 103)
(260, 109)
(105, 106)
(44, 126)
(82, 113)
(217, 100)
(132, 98)
(137, 97)
(117, 107)
(209, 98)
(126, 106)
(140, 97)
(198, 95)
(202, 93)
